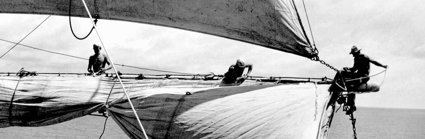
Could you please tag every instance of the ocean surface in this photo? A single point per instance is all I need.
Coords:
(379, 123)
(372, 123)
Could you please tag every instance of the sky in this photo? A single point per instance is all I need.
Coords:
(390, 32)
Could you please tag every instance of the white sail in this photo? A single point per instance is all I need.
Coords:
(165, 108)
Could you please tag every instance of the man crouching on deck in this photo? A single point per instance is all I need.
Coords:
(234, 76)
(98, 61)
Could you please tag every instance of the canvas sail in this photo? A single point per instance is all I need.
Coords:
(253, 110)
(269, 23)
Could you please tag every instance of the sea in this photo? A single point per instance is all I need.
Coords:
(380, 123)
(371, 123)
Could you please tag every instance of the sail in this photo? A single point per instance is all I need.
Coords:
(166, 110)
(285, 111)
(268, 23)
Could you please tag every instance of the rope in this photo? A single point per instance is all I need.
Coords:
(153, 69)
(11, 100)
(309, 26)
(353, 122)
(116, 72)
(106, 104)
(367, 76)
(385, 75)
(77, 57)
(315, 102)
(110, 92)
(25, 37)
(299, 20)
(70, 23)
(44, 50)
(343, 83)
(316, 51)
(104, 128)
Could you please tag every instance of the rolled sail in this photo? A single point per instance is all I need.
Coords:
(166, 110)
(268, 23)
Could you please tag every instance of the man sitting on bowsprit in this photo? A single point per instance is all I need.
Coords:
(360, 70)
(234, 76)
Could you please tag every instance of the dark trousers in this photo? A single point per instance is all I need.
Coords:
(351, 99)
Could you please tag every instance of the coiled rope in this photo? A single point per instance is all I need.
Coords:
(70, 23)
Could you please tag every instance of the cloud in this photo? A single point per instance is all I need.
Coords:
(419, 51)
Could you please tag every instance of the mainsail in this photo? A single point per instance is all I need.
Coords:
(268, 23)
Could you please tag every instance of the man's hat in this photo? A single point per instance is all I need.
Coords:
(354, 49)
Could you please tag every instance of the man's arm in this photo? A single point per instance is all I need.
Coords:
(107, 62)
(354, 68)
(249, 66)
(377, 63)
(90, 65)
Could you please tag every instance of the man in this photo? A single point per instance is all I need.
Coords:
(98, 61)
(360, 71)
(234, 76)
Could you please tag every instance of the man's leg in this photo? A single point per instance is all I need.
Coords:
(351, 103)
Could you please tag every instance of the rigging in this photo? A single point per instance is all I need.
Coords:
(16, 44)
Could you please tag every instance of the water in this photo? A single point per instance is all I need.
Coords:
(372, 123)
(379, 123)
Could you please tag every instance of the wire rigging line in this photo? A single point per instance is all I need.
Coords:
(70, 23)
(77, 57)
(300, 22)
(116, 72)
(44, 50)
(309, 26)
(25, 36)
(154, 69)
(316, 51)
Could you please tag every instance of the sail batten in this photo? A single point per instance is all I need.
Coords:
(269, 23)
